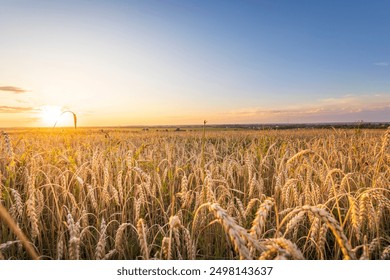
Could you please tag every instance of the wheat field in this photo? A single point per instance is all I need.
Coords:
(124, 194)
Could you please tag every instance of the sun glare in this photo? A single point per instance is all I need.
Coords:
(50, 114)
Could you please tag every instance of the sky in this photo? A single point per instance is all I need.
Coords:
(171, 62)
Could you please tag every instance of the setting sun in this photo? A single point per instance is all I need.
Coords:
(50, 114)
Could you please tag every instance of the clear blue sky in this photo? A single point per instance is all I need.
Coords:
(180, 62)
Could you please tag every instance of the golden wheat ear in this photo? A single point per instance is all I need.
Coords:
(74, 120)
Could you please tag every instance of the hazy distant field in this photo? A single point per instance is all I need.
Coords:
(132, 194)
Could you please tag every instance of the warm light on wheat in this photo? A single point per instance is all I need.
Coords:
(204, 194)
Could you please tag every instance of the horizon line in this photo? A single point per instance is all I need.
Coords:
(208, 124)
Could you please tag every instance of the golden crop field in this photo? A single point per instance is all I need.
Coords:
(127, 194)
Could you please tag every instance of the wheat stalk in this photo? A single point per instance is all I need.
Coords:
(101, 245)
(6, 218)
(258, 223)
(141, 230)
(74, 238)
(331, 223)
(233, 230)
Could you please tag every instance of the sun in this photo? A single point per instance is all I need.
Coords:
(50, 114)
